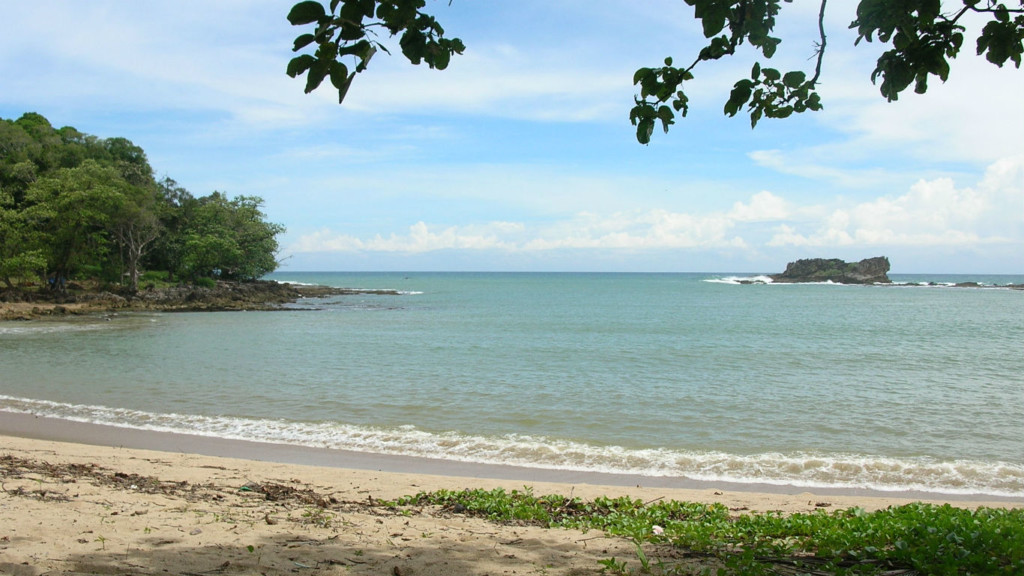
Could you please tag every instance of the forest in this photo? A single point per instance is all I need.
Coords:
(77, 207)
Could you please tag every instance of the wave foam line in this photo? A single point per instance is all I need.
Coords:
(810, 470)
(763, 279)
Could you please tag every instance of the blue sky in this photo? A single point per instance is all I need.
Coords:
(521, 156)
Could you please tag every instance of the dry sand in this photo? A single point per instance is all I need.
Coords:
(68, 508)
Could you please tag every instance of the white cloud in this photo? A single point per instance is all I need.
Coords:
(764, 206)
(419, 238)
(638, 230)
(654, 229)
(932, 213)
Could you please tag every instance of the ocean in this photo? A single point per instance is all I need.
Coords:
(917, 386)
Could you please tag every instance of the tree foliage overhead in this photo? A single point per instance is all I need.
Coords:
(343, 28)
(922, 37)
(74, 205)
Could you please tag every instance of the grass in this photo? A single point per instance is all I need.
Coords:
(911, 539)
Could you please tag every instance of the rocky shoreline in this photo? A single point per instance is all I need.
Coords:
(224, 296)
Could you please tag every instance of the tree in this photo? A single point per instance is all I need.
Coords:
(135, 226)
(72, 204)
(17, 170)
(72, 209)
(174, 209)
(923, 36)
(229, 239)
(18, 259)
(130, 160)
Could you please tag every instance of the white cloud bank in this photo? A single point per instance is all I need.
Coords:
(931, 213)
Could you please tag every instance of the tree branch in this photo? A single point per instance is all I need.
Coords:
(821, 45)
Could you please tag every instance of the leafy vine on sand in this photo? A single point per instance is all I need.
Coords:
(668, 536)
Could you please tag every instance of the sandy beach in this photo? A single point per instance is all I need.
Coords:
(97, 506)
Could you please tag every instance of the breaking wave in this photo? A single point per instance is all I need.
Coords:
(803, 469)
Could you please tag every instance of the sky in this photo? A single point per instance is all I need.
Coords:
(521, 157)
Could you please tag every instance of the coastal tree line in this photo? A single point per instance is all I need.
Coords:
(75, 206)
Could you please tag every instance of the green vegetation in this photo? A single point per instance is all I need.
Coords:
(74, 206)
(922, 36)
(912, 539)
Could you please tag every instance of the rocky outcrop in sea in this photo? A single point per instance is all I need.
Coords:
(867, 271)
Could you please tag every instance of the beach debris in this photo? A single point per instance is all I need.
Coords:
(273, 492)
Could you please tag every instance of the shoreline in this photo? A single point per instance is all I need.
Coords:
(274, 295)
(31, 427)
(98, 506)
(259, 295)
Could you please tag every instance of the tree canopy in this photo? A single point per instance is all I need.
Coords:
(73, 205)
(922, 37)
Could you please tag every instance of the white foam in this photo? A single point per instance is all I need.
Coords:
(809, 470)
(51, 327)
(760, 279)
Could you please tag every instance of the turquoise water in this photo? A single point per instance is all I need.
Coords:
(679, 375)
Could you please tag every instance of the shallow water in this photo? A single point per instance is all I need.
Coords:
(692, 375)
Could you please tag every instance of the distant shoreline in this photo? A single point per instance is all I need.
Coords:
(263, 295)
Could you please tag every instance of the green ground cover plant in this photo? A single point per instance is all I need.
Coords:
(915, 538)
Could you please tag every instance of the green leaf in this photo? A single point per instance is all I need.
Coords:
(317, 72)
(771, 74)
(712, 16)
(339, 75)
(300, 64)
(681, 104)
(306, 13)
(440, 59)
(414, 44)
(738, 97)
(341, 79)
(794, 79)
(303, 41)
(1002, 41)
(644, 130)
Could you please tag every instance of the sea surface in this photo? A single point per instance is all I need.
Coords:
(916, 386)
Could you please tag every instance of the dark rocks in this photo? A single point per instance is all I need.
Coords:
(868, 271)
(258, 295)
